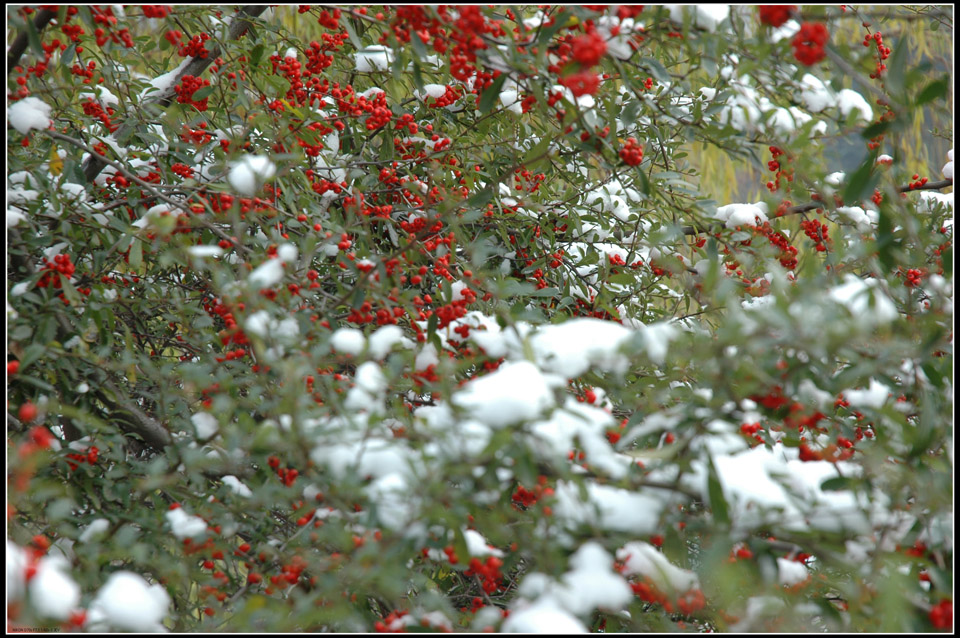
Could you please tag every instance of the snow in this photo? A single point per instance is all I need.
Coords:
(163, 83)
(128, 603)
(287, 253)
(791, 572)
(374, 58)
(204, 251)
(734, 215)
(543, 617)
(184, 525)
(864, 219)
(586, 424)
(787, 30)
(14, 217)
(763, 486)
(515, 392)
(929, 200)
(873, 397)
(432, 90)
(856, 295)
(815, 95)
(237, 486)
(646, 560)
(94, 530)
(705, 16)
(572, 347)
(53, 594)
(384, 338)
(947, 169)
(608, 508)
(348, 341)
(267, 274)
(848, 100)
(592, 583)
(205, 424)
(28, 114)
(589, 585)
(511, 101)
(16, 571)
(249, 174)
(104, 96)
(477, 545)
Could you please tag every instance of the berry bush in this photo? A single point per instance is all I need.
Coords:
(407, 318)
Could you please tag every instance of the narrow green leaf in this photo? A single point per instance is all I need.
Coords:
(934, 91)
(136, 254)
(718, 503)
(861, 182)
(491, 93)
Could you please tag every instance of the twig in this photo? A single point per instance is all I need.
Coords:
(803, 208)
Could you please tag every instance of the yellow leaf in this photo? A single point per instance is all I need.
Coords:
(56, 164)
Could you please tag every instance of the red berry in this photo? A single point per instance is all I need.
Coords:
(27, 412)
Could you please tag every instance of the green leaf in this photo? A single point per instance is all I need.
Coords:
(33, 37)
(352, 34)
(256, 54)
(491, 93)
(32, 353)
(69, 291)
(861, 182)
(202, 93)
(885, 240)
(481, 198)
(66, 58)
(836, 484)
(874, 130)
(136, 254)
(718, 503)
(657, 70)
(538, 152)
(933, 91)
(897, 67)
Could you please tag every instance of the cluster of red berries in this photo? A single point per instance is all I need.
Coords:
(451, 95)
(581, 83)
(195, 47)
(287, 475)
(61, 264)
(91, 456)
(883, 52)
(917, 182)
(817, 231)
(187, 87)
(776, 15)
(808, 43)
(155, 10)
(631, 153)
(182, 170)
(589, 49)
(92, 108)
(489, 572)
(914, 277)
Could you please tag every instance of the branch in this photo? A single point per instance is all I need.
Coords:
(138, 421)
(803, 208)
(20, 44)
(134, 178)
(195, 67)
